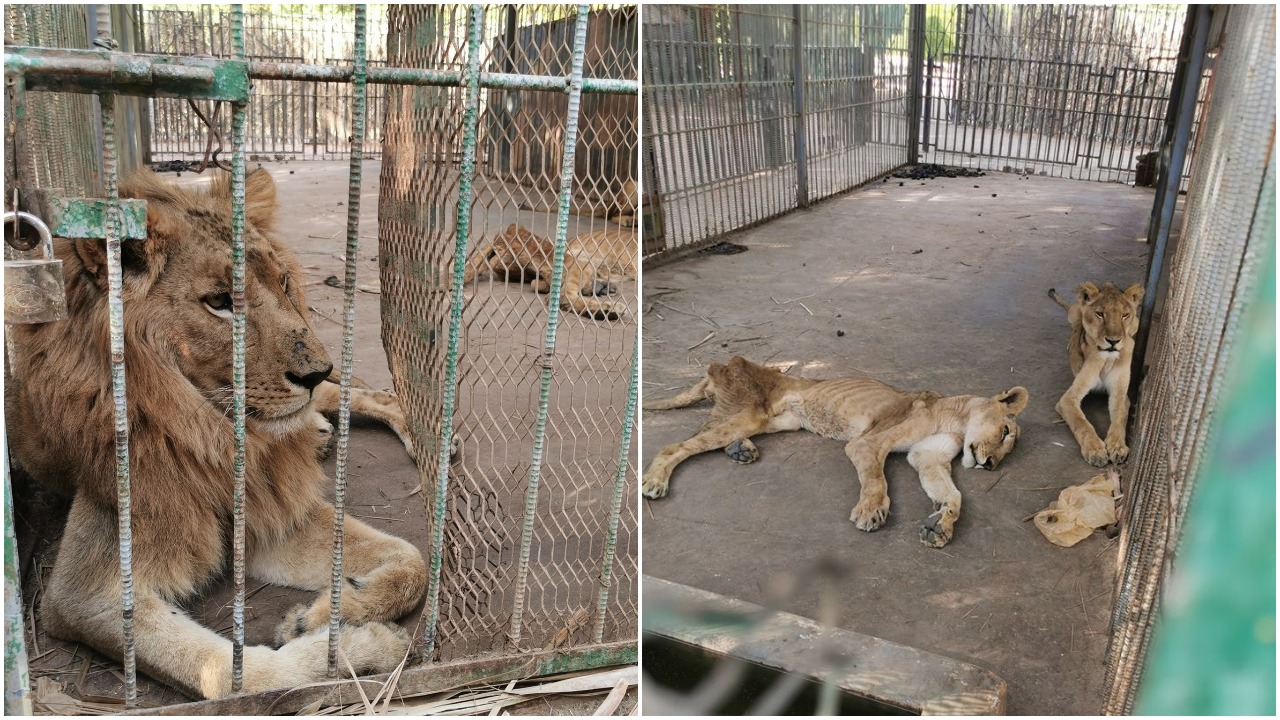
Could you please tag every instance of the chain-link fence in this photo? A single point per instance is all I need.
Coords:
(1228, 231)
(521, 414)
(504, 585)
(1078, 91)
(812, 100)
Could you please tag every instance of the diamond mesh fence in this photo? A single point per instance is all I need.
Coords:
(487, 601)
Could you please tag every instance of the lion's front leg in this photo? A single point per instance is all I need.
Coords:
(384, 576)
(1068, 407)
(1118, 405)
(931, 458)
(381, 406)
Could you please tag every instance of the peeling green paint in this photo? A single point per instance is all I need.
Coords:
(87, 218)
(97, 71)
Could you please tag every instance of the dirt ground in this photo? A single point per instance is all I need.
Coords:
(383, 480)
(937, 284)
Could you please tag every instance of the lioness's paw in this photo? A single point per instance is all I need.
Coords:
(1117, 450)
(324, 435)
(743, 451)
(870, 515)
(653, 486)
(935, 533)
(1095, 452)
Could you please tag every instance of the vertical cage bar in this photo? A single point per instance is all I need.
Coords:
(798, 97)
(358, 107)
(115, 305)
(239, 325)
(619, 489)
(17, 698)
(553, 316)
(467, 169)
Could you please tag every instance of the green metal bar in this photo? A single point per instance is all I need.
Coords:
(467, 170)
(115, 310)
(239, 326)
(619, 490)
(17, 682)
(553, 317)
(91, 71)
(358, 109)
(87, 217)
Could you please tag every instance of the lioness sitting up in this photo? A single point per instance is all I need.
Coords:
(1103, 323)
(592, 264)
(178, 316)
(872, 418)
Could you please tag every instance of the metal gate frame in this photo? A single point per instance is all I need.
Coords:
(107, 73)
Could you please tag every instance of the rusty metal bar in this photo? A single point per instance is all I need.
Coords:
(358, 109)
(567, 166)
(239, 326)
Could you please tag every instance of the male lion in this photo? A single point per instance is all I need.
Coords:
(177, 355)
(874, 420)
(592, 264)
(622, 211)
(1103, 323)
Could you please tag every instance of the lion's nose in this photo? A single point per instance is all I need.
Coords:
(311, 379)
(1112, 342)
(990, 464)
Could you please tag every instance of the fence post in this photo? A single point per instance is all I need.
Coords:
(1182, 111)
(798, 76)
(915, 54)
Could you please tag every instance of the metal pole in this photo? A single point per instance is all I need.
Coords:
(619, 488)
(915, 55)
(798, 76)
(1183, 110)
(359, 105)
(553, 316)
(239, 326)
(466, 171)
(17, 682)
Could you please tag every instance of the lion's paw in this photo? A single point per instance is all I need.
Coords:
(743, 451)
(653, 486)
(933, 533)
(1117, 450)
(1094, 452)
(870, 516)
(374, 648)
(294, 624)
(324, 437)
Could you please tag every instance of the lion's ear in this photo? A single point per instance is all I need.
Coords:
(260, 199)
(138, 256)
(1015, 399)
(1086, 291)
(1135, 293)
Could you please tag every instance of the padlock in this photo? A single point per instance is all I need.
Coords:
(33, 289)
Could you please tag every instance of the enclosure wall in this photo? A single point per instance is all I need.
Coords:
(752, 111)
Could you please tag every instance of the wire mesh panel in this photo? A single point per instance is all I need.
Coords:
(1227, 231)
(724, 87)
(290, 119)
(856, 91)
(1064, 90)
(497, 592)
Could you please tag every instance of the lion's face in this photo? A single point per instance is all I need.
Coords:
(183, 273)
(993, 428)
(1109, 316)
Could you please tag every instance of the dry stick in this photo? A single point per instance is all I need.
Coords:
(984, 625)
(806, 308)
(1104, 257)
(997, 482)
(703, 340)
(975, 607)
(686, 312)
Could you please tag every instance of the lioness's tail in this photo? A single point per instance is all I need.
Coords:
(1058, 299)
(684, 399)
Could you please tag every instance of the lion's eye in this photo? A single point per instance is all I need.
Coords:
(218, 303)
(1125, 316)
(1006, 432)
(1098, 313)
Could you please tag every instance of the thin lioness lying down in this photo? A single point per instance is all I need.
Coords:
(871, 417)
(178, 369)
(592, 264)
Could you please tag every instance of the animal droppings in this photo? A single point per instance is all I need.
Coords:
(931, 171)
(839, 333)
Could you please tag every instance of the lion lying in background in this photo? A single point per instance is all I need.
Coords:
(593, 262)
(177, 318)
(1103, 323)
(621, 211)
(872, 418)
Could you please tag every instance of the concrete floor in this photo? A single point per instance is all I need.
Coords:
(936, 284)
